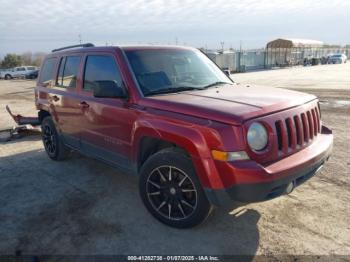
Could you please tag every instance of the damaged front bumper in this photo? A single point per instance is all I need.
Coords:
(23, 120)
(25, 126)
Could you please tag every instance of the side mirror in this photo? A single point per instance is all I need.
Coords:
(108, 89)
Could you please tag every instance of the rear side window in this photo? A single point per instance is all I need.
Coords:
(99, 70)
(47, 70)
(68, 71)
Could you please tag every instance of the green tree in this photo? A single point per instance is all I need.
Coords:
(11, 60)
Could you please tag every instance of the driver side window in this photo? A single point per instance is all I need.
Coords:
(100, 71)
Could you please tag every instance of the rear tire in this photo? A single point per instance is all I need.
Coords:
(171, 191)
(53, 144)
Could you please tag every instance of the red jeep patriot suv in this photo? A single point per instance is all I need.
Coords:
(171, 116)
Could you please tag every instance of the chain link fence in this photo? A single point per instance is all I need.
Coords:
(249, 60)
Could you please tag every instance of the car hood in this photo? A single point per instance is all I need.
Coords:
(232, 104)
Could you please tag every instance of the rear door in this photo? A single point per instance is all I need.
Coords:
(107, 122)
(19, 71)
(30, 69)
(64, 101)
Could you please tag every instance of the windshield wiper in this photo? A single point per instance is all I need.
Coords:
(173, 90)
(216, 83)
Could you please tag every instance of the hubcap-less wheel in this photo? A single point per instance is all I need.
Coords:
(53, 144)
(170, 189)
(171, 193)
(49, 140)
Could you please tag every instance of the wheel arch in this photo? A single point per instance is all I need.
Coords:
(149, 139)
(42, 114)
(149, 145)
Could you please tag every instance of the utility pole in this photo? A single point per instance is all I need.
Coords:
(79, 36)
(222, 43)
(176, 40)
(240, 56)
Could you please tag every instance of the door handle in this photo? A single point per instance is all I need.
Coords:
(55, 98)
(83, 104)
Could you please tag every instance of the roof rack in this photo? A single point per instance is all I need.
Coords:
(73, 46)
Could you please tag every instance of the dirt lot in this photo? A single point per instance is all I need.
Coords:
(81, 206)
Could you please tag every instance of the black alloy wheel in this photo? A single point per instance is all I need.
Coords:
(53, 144)
(49, 140)
(171, 191)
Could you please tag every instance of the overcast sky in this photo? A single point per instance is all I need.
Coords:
(41, 25)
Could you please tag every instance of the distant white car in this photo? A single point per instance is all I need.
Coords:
(17, 72)
(337, 59)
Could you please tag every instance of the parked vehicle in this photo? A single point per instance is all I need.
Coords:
(18, 72)
(2, 73)
(32, 74)
(307, 61)
(1, 70)
(169, 115)
(315, 61)
(324, 60)
(312, 61)
(337, 59)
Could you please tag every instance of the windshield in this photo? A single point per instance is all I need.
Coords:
(174, 70)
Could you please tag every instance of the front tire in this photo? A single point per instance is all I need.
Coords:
(171, 191)
(53, 144)
(8, 77)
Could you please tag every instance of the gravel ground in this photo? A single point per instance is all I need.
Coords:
(82, 206)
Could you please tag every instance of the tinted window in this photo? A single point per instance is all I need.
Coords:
(173, 69)
(60, 72)
(21, 69)
(100, 70)
(47, 70)
(68, 71)
(30, 68)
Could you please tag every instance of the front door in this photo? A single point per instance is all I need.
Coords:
(107, 122)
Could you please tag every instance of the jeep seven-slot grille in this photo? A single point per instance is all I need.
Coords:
(298, 130)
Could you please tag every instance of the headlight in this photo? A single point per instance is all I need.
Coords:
(257, 137)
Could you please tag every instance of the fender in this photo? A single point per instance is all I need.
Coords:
(42, 103)
(189, 138)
